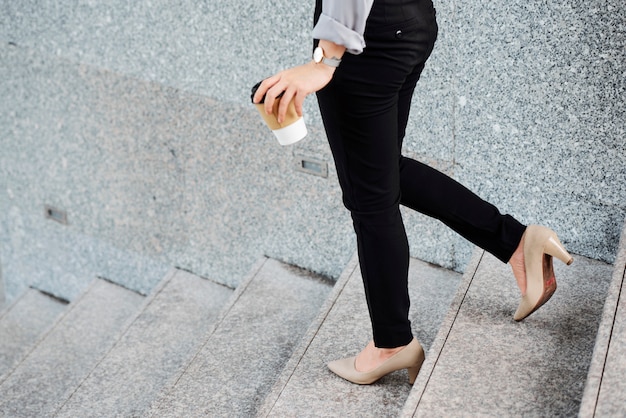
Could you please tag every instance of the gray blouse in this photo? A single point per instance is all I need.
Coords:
(343, 22)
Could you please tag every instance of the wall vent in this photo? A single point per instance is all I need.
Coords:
(311, 166)
(55, 214)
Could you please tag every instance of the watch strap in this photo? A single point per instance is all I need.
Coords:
(333, 62)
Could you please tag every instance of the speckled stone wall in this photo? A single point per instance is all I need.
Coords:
(134, 119)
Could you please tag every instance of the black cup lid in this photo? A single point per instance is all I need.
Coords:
(256, 87)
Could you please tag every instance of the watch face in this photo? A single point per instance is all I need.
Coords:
(318, 54)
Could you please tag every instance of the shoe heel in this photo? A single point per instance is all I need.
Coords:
(554, 248)
(413, 371)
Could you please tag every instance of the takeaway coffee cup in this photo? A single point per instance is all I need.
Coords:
(291, 130)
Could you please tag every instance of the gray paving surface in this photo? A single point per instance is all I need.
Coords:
(486, 364)
(308, 388)
(22, 324)
(153, 349)
(3, 298)
(69, 352)
(605, 393)
(241, 360)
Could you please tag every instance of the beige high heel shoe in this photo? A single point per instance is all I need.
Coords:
(410, 357)
(540, 245)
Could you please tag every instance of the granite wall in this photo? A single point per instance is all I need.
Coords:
(128, 144)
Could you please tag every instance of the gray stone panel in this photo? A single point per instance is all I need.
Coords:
(73, 347)
(22, 324)
(488, 364)
(151, 177)
(240, 361)
(153, 349)
(216, 48)
(539, 123)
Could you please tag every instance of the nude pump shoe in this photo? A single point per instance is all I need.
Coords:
(540, 245)
(410, 357)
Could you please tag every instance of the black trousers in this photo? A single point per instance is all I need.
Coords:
(365, 109)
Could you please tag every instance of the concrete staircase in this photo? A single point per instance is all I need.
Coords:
(157, 344)
(113, 352)
(62, 359)
(605, 391)
(485, 364)
(307, 388)
(567, 359)
(22, 324)
(240, 358)
(196, 348)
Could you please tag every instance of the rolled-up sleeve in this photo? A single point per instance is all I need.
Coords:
(343, 22)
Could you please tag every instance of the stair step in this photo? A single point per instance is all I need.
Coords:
(484, 363)
(238, 364)
(68, 352)
(605, 392)
(3, 299)
(307, 388)
(152, 349)
(23, 323)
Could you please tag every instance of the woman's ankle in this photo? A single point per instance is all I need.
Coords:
(371, 357)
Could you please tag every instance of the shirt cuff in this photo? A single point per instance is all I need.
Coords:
(329, 29)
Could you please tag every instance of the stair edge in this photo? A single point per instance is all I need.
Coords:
(115, 340)
(593, 385)
(238, 291)
(299, 351)
(432, 356)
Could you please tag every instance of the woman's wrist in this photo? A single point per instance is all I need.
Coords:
(331, 49)
(323, 69)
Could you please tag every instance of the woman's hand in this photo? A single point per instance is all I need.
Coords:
(298, 82)
(295, 83)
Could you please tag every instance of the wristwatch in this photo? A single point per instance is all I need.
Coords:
(318, 56)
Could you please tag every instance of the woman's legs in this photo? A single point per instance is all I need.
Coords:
(366, 157)
(360, 112)
(365, 110)
(441, 197)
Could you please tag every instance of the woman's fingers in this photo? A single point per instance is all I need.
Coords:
(284, 104)
(272, 88)
(266, 90)
(299, 102)
(294, 83)
(260, 92)
(295, 94)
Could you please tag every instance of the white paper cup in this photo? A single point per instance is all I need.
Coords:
(293, 128)
(292, 133)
